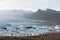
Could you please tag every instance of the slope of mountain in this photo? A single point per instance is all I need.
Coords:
(14, 16)
(18, 12)
(11, 15)
(49, 14)
(53, 15)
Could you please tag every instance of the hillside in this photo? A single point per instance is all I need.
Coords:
(49, 14)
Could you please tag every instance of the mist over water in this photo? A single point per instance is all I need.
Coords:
(14, 16)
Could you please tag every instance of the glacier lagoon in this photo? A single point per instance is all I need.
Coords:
(12, 29)
(22, 27)
(12, 24)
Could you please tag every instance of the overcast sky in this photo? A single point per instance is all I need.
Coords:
(32, 5)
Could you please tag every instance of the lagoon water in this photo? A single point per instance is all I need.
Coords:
(21, 30)
(18, 27)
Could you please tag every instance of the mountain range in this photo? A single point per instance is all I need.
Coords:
(48, 14)
(45, 17)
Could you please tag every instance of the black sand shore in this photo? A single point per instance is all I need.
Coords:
(50, 36)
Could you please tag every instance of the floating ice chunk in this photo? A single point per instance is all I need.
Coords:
(57, 27)
(32, 34)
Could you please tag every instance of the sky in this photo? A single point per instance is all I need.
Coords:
(32, 5)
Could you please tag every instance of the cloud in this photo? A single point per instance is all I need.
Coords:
(29, 4)
(7, 4)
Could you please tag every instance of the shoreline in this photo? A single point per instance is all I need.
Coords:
(50, 36)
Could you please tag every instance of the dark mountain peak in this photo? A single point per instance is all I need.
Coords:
(39, 10)
(48, 10)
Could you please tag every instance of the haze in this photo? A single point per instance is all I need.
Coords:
(32, 5)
